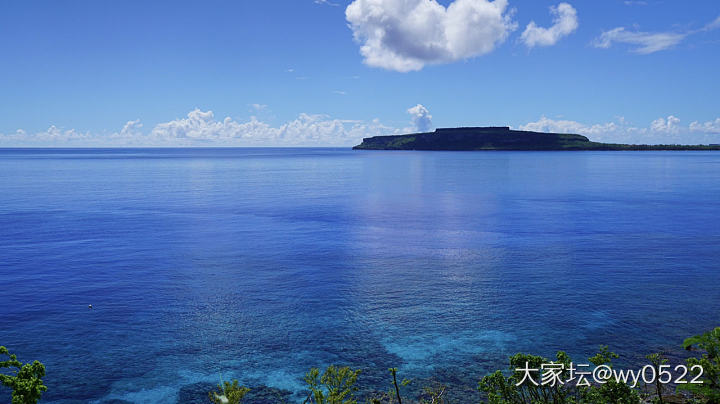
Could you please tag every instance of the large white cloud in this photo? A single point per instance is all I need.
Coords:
(405, 35)
(565, 22)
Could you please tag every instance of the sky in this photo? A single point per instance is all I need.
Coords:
(330, 72)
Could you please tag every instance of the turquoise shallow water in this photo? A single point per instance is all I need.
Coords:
(257, 264)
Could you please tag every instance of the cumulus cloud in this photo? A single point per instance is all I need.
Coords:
(421, 118)
(712, 127)
(671, 124)
(200, 128)
(545, 124)
(667, 130)
(405, 35)
(565, 22)
(306, 129)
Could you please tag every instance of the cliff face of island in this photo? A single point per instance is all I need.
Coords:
(502, 138)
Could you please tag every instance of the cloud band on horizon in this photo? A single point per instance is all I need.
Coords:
(201, 128)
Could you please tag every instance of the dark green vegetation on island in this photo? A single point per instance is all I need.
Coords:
(502, 138)
(338, 385)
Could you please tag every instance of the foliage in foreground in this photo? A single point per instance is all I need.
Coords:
(509, 390)
(337, 385)
(228, 393)
(25, 380)
(708, 342)
(500, 389)
(516, 388)
(334, 386)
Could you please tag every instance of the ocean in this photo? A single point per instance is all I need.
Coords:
(204, 265)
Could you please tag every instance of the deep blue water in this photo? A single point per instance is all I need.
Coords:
(257, 264)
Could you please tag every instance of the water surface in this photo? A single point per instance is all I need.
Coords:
(257, 264)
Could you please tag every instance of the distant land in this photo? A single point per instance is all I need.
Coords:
(503, 138)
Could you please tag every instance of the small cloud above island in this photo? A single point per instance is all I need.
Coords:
(421, 118)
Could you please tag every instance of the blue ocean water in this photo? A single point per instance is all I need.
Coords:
(258, 264)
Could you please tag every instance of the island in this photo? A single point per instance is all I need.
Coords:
(503, 138)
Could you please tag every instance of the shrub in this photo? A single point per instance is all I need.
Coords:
(229, 393)
(517, 389)
(334, 386)
(708, 342)
(24, 379)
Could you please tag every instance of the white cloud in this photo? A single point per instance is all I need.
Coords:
(713, 25)
(52, 136)
(666, 125)
(545, 124)
(662, 130)
(421, 118)
(306, 129)
(132, 130)
(712, 127)
(565, 22)
(648, 42)
(200, 128)
(405, 35)
(326, 2)
(259, 107)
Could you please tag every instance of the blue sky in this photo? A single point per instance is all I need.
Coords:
(321, 72)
